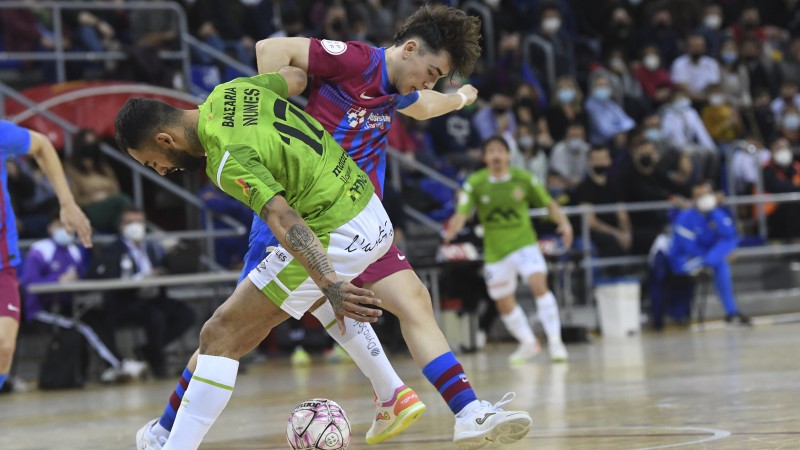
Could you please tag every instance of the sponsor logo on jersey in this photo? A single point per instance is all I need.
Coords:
(244, 185)
(355, 116)
(335, 48)
(499, 213)
(378, 121)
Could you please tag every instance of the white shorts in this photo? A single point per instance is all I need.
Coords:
(351, 248)
(501, 276)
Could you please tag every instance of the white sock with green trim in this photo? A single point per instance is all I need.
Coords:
(547, 311)
(517, 324)
(208, 393)
(366, 350)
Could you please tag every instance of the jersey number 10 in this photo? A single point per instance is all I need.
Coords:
(288, 131)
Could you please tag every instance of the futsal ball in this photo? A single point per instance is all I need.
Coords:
(318, 424)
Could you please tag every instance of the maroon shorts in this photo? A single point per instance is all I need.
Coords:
(9, 293)
(392, 262)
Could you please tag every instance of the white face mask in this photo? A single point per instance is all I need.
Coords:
(706, 202)
(682, 103)
(712, 21)
(62, 237)
(134, 231)
(551, 24)
(716, 99)
(651, 62)
(783, 157)
(526, 141)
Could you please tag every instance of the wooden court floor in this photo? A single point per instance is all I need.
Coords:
(715, 389)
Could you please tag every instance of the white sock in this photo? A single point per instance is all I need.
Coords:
(208, 393)
(517, 324)
(363, 346)
(547, 311)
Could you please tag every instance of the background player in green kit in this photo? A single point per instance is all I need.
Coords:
(320, 205)
(502, 196)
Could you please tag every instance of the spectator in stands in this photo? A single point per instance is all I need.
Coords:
(788, 97)
(644, 180)
(32, 197)
(528, 108)
(720, 118)
(625, 88)
(59, 259)
(782, 175)
(759, 68)
(734, 77)
(685, 130)
(533, 154)
(153, 30)
(766, 123)
(496, 117)
(789, 125)
(789, 68)
(568, 157)
(653, 77)
(749, 26)
(607, 119)
(748, 160)
(453, 135)
(694, 72)
(94, 183)
(610, 232)
(566, 107)
(620, 33)
(661, 33)
(676, 163)
(228, 250)
(550, 28)
(132, 256)
(711, 28)
(704, 238)
(291, 23)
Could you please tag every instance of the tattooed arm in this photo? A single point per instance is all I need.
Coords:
(298, 239)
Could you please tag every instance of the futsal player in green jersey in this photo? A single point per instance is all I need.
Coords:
(502, 196)
(322, 208)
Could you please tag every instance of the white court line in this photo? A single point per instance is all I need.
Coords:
(715, 434)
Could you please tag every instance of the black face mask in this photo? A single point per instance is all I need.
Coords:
(695, 56)
(499, 110)
(646, 161)
(601, 170)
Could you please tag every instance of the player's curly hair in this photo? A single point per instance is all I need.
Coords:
(138, 118)
(444, 28)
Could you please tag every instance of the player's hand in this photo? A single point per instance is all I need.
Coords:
(471, 93)
(565, 231)
(347, 299)
(75, 221)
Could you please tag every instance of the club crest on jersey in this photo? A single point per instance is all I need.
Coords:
(518, 194)
(355, 116)
(485, 199)
(334, 47)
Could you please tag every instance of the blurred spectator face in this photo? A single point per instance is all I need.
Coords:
(599, 163)
(501, 103)
(566, 91)
(704, 198)
(651, 59)
(750, 18)
(621, 22)
(496, 155)
(662, 20)
(790, 121)
(652, 128)
(680, 100)
(788, 91)
(420, 68)
(696, 47)
(716, 97)
(551, 21)
(59, 233)
(601, 88)
(781, 153)
(713, 17)
(750, 50)
(728, 53)
(616, 62)
(525, 137)
(575, 135)
(645, 158)
(131, 225)
(556, 184)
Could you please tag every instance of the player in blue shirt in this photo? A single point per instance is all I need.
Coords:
(15, 140)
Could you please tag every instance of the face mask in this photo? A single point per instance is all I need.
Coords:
(716, 99)
(62, 237)
(551, 24)
(682, 103)
(728, 57)
(602, 93)
(791, 122)
(706, 202)
(574, 144)
(712, 21)
(695, 56)
(499, 110)
(651, 62)
(134, 231)
(652, 134)
(646, 161)
(600, 170)
(617, 64)
(526, 141)
(566, 95)
(783, 157)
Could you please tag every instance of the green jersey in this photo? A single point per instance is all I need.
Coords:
(502, 206)
(258, 145)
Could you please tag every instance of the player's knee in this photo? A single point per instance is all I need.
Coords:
(415, 303)
(218, 336)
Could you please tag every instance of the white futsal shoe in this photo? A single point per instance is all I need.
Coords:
(524, 353)
(558, 352)
(146, 440)
(486, 423)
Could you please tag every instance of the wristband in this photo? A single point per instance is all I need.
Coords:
(463, 99)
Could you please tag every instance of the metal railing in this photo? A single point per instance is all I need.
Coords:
(61, 56)
(549, 57)
(485, 14)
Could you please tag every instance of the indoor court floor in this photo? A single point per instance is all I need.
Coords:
(718, 388)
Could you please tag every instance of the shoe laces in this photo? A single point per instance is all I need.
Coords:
(494, 407)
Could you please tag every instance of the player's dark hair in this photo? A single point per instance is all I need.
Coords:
(495, 138)
(138, 118)
(444, 28)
